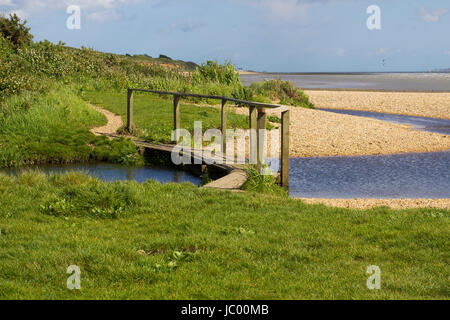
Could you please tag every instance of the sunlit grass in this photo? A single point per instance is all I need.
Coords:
(177, 241)
(153, 115)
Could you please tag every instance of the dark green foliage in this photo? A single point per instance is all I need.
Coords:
(161, 56)
(15, 31)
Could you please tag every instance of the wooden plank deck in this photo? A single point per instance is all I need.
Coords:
(234, 180)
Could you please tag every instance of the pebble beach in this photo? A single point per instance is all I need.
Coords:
(315, 133)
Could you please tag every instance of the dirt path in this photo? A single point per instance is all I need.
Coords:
(114, 123)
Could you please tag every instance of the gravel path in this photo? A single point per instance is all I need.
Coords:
(114, 123)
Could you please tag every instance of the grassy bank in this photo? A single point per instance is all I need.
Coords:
(176, 241)
(54, 127)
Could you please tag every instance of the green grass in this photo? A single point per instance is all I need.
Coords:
(54, 128)
(176, 241)
(153, 115)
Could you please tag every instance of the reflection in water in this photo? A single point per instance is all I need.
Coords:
(130, 173)
(178, 176)
(112, 172)
(411, 175)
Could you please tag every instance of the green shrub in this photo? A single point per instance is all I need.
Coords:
(15, 31)
(211, 71)
(162, 56)
(284, 92)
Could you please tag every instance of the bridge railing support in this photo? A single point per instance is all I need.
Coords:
(223, 126)
(131, 128)
(285, 121)
(176, 116)
(257, 125)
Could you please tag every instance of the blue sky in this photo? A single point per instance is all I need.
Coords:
(262, 35)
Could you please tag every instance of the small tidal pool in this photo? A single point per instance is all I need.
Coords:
(410, 175)
(113, 172)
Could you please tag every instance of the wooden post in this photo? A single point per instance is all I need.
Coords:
(223, 127)
(130, 124)
(176, 116)
(285, 148)
(253, 140)
(261, 138)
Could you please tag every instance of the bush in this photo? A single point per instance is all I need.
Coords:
(284, 92)
(15, 31)
(211, 71)
(39, 66)
(161, 56)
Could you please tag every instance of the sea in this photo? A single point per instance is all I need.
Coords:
(422, 82)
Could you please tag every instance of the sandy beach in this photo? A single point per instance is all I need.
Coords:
(421, 104)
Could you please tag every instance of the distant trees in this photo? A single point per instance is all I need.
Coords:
(162, 56)
(15, 31)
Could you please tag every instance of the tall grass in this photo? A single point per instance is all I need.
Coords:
(53, 128)
(284, 92)
(262, 183)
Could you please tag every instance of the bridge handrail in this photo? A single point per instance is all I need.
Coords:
(257, 118)
(205, 96)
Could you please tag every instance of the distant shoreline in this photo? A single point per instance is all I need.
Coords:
(246, 72)
(362, 82)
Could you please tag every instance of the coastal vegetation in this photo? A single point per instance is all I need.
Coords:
(175, 241)
(42, 83)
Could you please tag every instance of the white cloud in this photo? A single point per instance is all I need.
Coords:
(340, 52)
(6, 3)
(447, 53)
(282, 10)
(185, 26)
(99, 10)
(432, 15)
(383, 51)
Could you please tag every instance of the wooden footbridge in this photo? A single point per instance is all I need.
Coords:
(257, 125)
